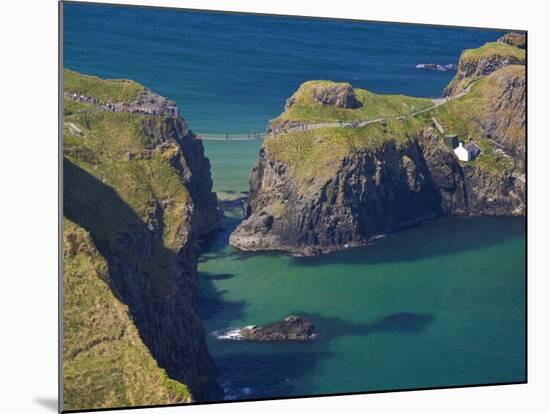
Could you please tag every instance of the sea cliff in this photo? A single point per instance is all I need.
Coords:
(137, 199)
(342, 165)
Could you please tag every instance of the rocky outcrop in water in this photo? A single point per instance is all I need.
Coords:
(372, 193)
(323, 190)
(293, 328)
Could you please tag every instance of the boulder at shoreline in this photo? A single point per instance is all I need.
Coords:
(293, 328)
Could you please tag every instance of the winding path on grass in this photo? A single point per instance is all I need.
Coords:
(437, 102)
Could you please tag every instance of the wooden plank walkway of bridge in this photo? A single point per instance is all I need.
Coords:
(229, 137)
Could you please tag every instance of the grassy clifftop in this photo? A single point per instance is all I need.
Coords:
(122, 150)
(317, 153)
(105, 90)
(491, 49)
(304, 106)
(128, 218)
(105, 362)
(482, 61)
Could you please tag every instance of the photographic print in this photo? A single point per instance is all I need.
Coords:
(259, 207)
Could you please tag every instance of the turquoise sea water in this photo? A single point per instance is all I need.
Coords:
(439, 304)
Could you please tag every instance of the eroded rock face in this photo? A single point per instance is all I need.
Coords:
(504, 117)
(293, 328)
(340, 95)
(164, 311)
(482, 66)
(467, 190)
(514, 39)
(371, 193)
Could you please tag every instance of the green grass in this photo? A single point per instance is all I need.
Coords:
(463, 116)
(116, 178)
(494, 49)
(102, 150)
(488, 50)
(176, 388)
(315, 155)
(110, 90)
(105, 364)
(71, 107)
(277, 207)
(492, 161)
(306, 109)
(112, 133)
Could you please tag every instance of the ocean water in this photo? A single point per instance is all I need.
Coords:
(232, 73)
(436, 305)
(441, 304)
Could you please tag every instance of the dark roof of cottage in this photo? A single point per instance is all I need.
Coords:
(472, 145)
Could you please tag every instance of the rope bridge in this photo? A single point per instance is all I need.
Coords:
(230, 137)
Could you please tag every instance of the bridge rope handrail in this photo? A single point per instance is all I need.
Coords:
(229, 137)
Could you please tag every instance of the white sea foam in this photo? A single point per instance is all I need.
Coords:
(377, 236)
(228, 334)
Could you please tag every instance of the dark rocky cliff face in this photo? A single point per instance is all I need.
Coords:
(515, 39)
(189, 160)
(158, 285)
(390, 174)
(483, 62)
(140, 185)
(366, 197)
(467, 190)
(372, 193)
(504, 118)
(168, 322)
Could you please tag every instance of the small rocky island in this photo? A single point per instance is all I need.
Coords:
(293, 328)
(342, 165)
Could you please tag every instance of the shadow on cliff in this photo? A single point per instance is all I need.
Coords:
(212, 301)
(143, 276)
(439, 237)
(217, 245)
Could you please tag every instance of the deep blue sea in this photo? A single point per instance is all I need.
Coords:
(440, 304)
(232, 72)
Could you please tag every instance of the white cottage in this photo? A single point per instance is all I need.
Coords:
(462, 153)
(468, 152)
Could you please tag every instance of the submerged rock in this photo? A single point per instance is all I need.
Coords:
(293, 328)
